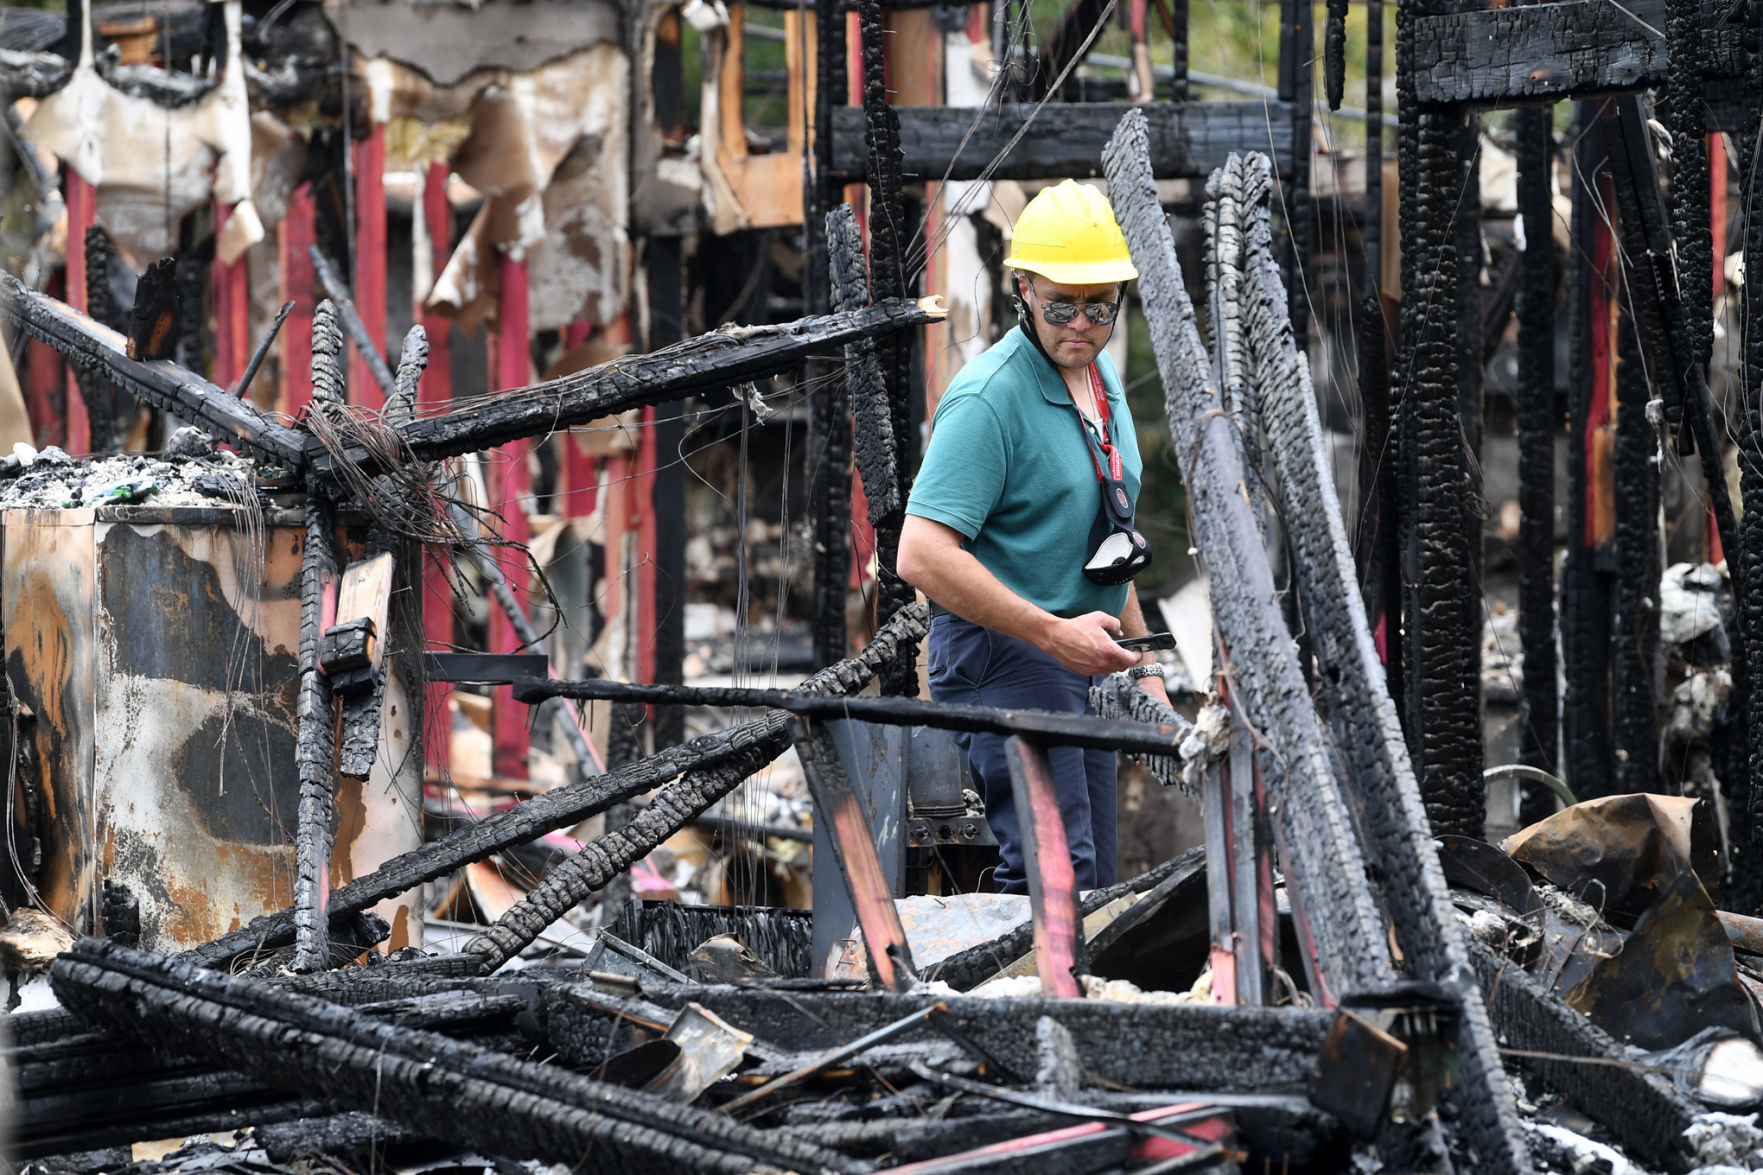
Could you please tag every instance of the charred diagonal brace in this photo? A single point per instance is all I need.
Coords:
(1385, 792)
(731, 355)
(676, 805)
(243, 387)
(1067, 729)
(1322, 855)
(1662, 314)
(337, 290)
(99, 351)
(853, 842)
(504, 1105)
(554, 710)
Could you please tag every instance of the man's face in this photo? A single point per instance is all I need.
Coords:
(1077, 342)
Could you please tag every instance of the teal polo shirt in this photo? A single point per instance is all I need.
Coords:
(1008, 467)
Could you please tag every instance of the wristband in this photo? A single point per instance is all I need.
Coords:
(1140, 672)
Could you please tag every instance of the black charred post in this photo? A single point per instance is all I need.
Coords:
(1178, 35)
(1440, 647)
(502, 1105)
(1334, 54)
(156, 316)
(1538, 426)
(866, 391)
(1318, 843)
(1468, 336)
(315, 752)
(1297, 85)
(99, 396)
(829, 489)
(327, 1136)
(1639, 431)
(1586, 588)
(665, 263)
(1686, 48)
(888, 239)
(192, 274)
(1748, 874)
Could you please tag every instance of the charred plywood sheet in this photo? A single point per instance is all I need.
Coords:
(159, 650)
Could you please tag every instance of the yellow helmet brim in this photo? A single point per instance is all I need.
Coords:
(1078, 273)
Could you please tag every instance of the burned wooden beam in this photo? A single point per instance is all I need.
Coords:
(730, 355)
(1060, 728)
(1547, 52)
(1185, 139)
(506, 1106)
(1200, 1047)
(1060, 956)
(337, 291)
(1580, 1061)
(1343, 932)
(1362, 715)
(678, 804)
(100, 352)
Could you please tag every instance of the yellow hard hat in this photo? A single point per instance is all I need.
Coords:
(1068, 234)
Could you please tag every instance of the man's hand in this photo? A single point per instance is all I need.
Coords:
(1085, 644)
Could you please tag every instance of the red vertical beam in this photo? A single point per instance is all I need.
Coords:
(509, 486)
(296, 234)
(45, 381)
(370, 261)
(435, 393)
(232, 309)
(81, 211)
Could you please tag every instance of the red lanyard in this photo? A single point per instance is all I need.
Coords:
(1100, 395)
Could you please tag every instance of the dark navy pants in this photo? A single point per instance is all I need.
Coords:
(974, 665)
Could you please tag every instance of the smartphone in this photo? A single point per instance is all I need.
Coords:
(1148, 643)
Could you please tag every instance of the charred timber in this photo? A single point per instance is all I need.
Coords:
(1686, 42)
(1639, 430)
(1361, 713)
(865, 389)
(1120, 698)
(1578, 1060)
(721, 358)
(505, 1106)
(337, 290)
(1750, 459)
(96, 350)
(1140, 1046)
(1055, 727)
(1185, 139)
(1547, 52)
(1539, 423)
(565, 805)
(1665, 317)
(1321, 851)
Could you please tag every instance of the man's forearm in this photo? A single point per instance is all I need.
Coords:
(959, 582)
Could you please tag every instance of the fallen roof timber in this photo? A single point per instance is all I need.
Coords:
(1188, 139)
(1550, 52)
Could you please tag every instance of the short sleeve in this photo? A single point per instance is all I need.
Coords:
(962, 478)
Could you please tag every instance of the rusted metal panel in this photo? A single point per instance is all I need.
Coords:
(159, 651)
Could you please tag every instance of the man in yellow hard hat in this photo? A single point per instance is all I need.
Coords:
(1020, 530)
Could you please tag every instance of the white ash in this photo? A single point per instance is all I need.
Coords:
(1562, 1152)
(1726, 1140)
(51, 480)
(1689, 602)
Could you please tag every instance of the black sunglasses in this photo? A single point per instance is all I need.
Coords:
(1062, 313)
